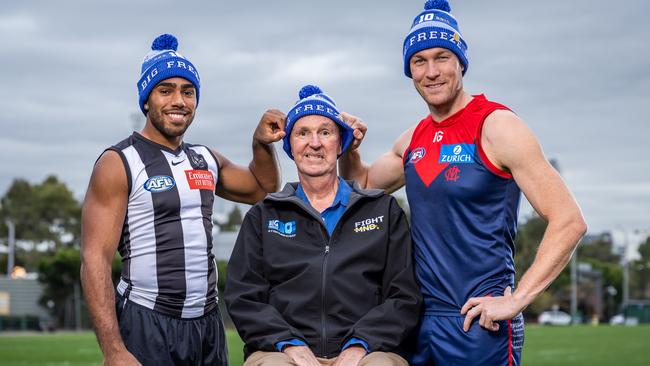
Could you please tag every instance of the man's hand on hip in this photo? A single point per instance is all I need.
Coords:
(491, 309)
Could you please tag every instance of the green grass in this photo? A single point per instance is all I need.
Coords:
(51, 349)
(587, 345)
(72, 349)
(582, 345)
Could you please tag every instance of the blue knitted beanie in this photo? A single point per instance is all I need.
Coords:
(163, 62)
(312, 100)
(435, 27)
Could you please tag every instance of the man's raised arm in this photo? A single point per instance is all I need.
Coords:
(250, 184)
(387, 172)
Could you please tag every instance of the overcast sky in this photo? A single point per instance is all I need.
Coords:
(575, 71)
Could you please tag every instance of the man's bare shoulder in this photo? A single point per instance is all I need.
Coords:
(109, 174)
(507, 140)
(403, 141)
(221, 159)
(500, 123)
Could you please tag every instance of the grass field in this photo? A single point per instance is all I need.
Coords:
(582, 345)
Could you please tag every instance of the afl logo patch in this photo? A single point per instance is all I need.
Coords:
(417, 154)
(159, 183)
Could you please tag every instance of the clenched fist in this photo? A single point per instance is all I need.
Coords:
(271, 127)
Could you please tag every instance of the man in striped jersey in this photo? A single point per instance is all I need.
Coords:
(150, 197)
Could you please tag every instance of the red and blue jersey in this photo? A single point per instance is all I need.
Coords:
(463, 210)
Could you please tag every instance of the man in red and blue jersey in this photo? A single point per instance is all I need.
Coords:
(464, 167)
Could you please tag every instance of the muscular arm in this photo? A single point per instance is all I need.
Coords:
(250, 184)
(546, 192)
(102, 219)
(387, 172)
(511, 146)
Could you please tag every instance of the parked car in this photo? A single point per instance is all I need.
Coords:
(618, 319)
(554, 317)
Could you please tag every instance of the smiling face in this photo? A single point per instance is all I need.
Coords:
(171, 106)
(437, 76)
(315, 144)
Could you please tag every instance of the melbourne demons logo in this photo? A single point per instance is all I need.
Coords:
(159, 183)
(417, 154)
(452, 174)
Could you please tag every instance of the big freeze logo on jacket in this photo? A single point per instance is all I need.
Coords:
(287, 229)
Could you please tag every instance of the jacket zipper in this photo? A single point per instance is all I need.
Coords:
(322, 307)
(328, 241)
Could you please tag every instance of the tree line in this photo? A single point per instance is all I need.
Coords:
(48, 216)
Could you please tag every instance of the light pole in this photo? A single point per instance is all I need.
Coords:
(574, 286)
(626, 274)
(11, 241)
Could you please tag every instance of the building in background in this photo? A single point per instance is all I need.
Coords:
(19, 305)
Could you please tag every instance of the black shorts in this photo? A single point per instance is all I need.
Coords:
(158, 339)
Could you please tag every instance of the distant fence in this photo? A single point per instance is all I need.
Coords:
(19, 308)
(639, 310)
(20, 322)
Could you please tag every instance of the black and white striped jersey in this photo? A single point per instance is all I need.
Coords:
(166, 243)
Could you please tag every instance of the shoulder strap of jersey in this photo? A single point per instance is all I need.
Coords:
(424, 123)
(485, 110)
(118, 149)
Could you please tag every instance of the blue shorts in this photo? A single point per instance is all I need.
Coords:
(442, 341)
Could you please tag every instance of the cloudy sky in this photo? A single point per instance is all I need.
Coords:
(575, 71)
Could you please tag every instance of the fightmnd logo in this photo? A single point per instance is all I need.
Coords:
(368, 224)
(287, 229)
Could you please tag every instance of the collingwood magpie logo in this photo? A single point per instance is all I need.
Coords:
(286, 229)
(368, 224)
(197, 160)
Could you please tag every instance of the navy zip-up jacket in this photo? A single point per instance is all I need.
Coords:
(287, 278)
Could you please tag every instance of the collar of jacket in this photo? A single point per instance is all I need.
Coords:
(288, 194)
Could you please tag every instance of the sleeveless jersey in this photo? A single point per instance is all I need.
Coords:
(463, 210)
(166, 243)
